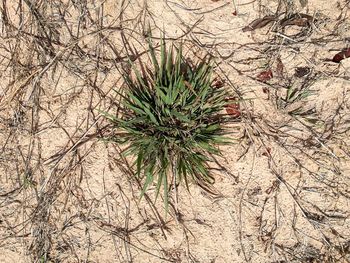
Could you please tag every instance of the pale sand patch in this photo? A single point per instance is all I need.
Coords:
(284, 194)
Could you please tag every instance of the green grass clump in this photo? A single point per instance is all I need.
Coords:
(171, 120)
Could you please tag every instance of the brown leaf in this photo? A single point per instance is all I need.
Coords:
(259, 23)
(341, 55)
(233, 108)
(264, 76)
(302, 20)
(233, 112)
(301, 71)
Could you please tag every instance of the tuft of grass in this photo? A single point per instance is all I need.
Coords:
(171, 121)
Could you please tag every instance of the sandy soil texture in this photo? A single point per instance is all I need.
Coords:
(282, 191)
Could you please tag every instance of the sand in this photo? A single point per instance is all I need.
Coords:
(282, 189)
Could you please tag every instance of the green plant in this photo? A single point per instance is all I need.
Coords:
(171, 120)
(295, 94)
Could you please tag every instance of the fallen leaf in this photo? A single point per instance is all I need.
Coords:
(259, 23)
(265, 75)
(233, 112)
(299, 19)
(301, 71)
(233, 108)
(341, 55)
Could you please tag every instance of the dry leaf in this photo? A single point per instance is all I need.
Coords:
(341, 55)
(259, 23)
(299, 19)
(301, 72)
(233, 112)
(233, 108)
(265, 75)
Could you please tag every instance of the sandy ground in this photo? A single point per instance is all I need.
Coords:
(282, 190)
